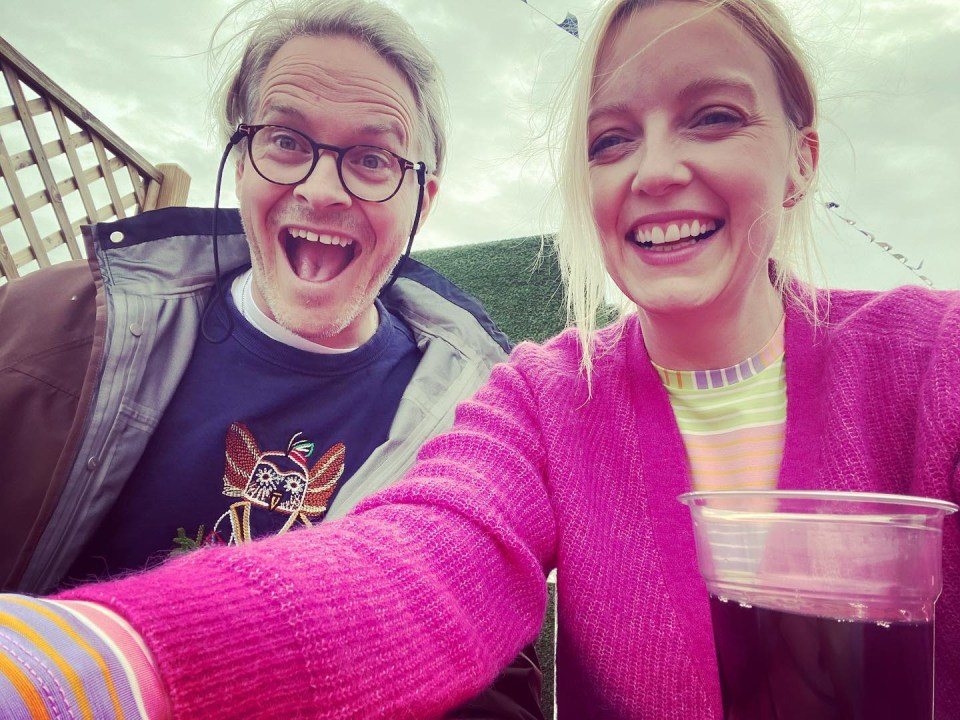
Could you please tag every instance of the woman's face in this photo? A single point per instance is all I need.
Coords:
(690, 158)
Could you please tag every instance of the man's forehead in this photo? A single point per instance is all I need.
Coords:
(338, 76)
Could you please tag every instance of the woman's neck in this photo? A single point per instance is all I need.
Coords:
(718, 336)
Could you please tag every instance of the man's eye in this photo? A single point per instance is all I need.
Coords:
(370, 159)
(373, 161)
(287, 142)
(281, 140)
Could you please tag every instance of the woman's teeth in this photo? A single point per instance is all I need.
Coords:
(677, 235)
(677, 245)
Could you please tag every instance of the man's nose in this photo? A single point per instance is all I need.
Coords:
(661, 167)
(322, 187)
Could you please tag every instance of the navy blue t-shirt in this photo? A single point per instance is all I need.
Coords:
(258, 438)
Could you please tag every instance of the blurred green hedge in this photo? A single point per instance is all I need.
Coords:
(523, 294)
(521, 291)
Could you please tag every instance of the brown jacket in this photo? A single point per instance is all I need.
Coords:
(47, 357)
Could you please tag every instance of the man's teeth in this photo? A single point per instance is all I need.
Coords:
(311, 236)
(672, 232)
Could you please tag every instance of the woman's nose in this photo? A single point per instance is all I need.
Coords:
(660, 168)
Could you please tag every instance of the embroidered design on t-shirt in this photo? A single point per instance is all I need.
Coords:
(277, 480)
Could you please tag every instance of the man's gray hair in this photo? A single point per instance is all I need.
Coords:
(371, 23)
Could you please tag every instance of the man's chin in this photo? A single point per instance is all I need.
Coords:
(334, 325)
(311, 323)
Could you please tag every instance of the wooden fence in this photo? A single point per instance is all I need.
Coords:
(62, 168)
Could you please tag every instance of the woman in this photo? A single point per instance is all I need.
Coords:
(691, 156)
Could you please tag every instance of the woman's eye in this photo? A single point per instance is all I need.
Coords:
(603, 144)
(717, 117)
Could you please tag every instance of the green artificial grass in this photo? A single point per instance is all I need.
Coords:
(522, 292)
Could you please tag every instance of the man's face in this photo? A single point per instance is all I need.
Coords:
(319, 255)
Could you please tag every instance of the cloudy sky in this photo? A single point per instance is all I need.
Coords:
(890, 130)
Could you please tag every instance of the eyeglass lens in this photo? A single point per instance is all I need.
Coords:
(286, 156)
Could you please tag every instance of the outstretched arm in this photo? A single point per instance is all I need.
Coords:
(406, 608)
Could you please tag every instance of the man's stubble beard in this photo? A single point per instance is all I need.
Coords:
(359, 303)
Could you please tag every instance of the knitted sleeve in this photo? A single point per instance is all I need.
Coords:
(405, 608)
(73, 660)
(938, 430)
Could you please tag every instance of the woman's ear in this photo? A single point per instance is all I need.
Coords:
(805, 161)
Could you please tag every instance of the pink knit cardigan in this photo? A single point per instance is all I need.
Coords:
(414, 602)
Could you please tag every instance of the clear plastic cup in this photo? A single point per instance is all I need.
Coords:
(822, 602)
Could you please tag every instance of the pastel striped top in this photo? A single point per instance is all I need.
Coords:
(74, 659)
(733, 420)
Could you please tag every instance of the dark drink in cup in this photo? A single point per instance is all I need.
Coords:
(777, 665)
(822, 602)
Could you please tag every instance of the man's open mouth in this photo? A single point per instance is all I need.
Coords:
(664, 237)
(316, 257)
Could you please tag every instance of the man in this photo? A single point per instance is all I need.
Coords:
(145, 409)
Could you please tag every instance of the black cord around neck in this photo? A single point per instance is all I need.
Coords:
(422, 178)
(219, 297)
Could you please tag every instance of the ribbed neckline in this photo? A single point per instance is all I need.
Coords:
(770, 353)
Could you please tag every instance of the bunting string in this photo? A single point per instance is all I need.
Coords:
(885, 247)
(569, 24)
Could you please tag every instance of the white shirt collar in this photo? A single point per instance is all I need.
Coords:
(242, 292)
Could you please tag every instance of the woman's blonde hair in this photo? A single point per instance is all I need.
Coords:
(578, 240)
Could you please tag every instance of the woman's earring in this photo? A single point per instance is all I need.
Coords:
(792, 200)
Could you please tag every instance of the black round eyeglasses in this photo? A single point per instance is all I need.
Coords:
(285, 156)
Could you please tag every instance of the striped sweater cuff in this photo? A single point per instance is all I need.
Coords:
(73, 659)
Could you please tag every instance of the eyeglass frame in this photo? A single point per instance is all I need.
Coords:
(248, 130)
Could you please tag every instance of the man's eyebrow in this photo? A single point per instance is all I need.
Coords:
(284, 110)
(374, 129)
(385, 128)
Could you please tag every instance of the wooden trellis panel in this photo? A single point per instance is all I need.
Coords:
(61, 168)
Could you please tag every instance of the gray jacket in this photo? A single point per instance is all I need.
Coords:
(154, 275)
